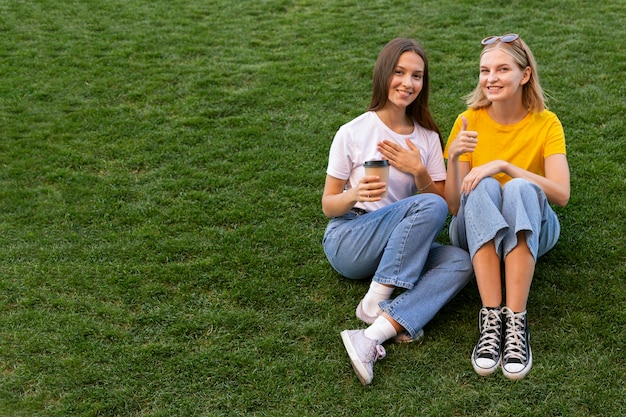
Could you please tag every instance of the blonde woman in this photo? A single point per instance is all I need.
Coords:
(506, 165)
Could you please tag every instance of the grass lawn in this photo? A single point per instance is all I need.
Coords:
(161, 170)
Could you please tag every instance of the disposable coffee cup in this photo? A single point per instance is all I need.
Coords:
(379, 168)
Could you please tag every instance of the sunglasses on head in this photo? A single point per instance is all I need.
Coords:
(508, 38)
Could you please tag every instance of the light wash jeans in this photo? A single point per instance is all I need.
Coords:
(395, 245)
(492, 212)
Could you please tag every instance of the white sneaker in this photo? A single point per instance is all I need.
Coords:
(363, 352)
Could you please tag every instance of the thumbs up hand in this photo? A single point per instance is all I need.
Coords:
(464, 142)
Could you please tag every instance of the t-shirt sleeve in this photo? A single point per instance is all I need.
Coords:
(435, 164)
(555, 140)
(339, 161)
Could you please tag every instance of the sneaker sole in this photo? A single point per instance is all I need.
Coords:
(516, 376)
(484, 371)
(357, 365)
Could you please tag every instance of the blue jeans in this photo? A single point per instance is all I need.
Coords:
(492, 212)
(395, 246)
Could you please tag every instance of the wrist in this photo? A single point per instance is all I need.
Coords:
(420, 172)
(419, 190)
(453, 157)
(505, 167)
(423, 181)
(354, 196)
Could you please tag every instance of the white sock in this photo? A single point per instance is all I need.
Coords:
(376, 294)
(381, 330)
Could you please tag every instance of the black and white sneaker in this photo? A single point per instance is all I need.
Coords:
(517, 358)
(486, 354)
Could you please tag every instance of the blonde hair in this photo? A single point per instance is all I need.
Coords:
(533, 97)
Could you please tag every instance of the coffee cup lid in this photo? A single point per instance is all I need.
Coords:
(376, 163)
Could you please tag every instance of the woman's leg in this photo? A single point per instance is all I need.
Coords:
(482, 225)
(484, 229)
(390, 244)
(354, 244)
(486, 264)
(483, 217)
(404, 257)
(519, 269)
(402, 260)
(533, 231)
(408, 247)
(447, 270)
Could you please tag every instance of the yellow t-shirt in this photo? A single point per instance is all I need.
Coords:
(525, 144)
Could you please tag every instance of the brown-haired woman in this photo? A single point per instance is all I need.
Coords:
(386, 230)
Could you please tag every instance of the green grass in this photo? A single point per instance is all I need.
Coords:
(161, 169)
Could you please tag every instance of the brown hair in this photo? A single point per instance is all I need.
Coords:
(533, 97)
(381, 79)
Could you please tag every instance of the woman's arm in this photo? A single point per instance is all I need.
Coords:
(337, 202)
(457, 170)
(465, 141)
(557, 171)
(556, 183)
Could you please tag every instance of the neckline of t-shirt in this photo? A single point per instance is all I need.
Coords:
(513, 126)
(411, 135)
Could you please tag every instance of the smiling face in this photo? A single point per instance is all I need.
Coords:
(501, 78)
(407, 80)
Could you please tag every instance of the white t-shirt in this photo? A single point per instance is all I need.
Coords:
(356, 142)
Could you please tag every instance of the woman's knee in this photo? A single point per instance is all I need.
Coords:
(461, 258)
(520, 191)
(438, 202)
(455, 260)
(439, 206)
(488, 189)
(519, 186)
(489, 184)
(431, 202)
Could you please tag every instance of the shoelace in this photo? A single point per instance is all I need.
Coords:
(378, 351)
(489, 342)
(515, 346)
